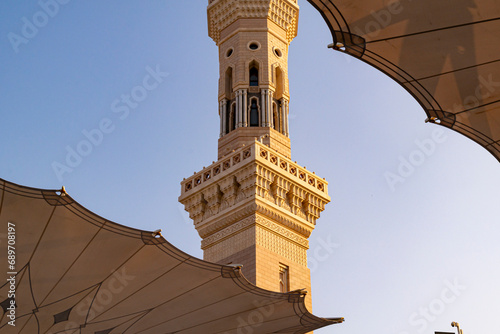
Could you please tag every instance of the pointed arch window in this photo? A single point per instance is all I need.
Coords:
(232, 117)
(229, 83)
(228, 117)
(276, 120)
(279, 83)
(254, 112)
(254, 76)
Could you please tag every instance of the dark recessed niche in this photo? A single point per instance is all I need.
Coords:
(277, 52)
(229, 52)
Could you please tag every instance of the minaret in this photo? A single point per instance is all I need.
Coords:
(255, 206)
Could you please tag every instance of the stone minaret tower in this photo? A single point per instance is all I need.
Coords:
(254, 206)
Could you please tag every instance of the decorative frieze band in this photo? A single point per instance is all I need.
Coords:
(282, 231)
(251, 221)
(236, 227)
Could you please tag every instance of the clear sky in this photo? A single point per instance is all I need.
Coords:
(409, 242)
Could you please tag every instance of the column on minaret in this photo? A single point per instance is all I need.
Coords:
(237, 103)
(269, 108)
(245, 108)
(223, 117)
(235, 114)
(283, 116)
(287, 113)
(284, 112)
(240, 108)
(263, 108)
(221, 133)
(286, 118)
(237, 111)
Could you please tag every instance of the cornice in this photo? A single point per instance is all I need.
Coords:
(222, 13)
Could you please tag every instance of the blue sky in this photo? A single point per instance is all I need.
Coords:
(408, 243)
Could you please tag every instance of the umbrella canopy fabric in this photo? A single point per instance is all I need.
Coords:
(72, 271)
(445, 53)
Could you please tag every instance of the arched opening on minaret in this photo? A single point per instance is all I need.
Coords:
(254, 74)
(279, 83)
(276, 121)
(254, 112)
(229, 83)
(232, 117)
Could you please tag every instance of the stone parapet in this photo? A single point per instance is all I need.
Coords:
(254, 181)
(246, 154)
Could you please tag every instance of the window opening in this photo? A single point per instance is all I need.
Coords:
(254, 77)
(276, 122)
(284, 278)
(254, 113)
(232, 118)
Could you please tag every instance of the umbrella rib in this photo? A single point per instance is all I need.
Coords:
(432, 30)
(141, 288)
(457, 70)
(71, 265)
(494, 142)
(182, 294)
(34, 302)
(266, 321)
(232, 315)
(31, 257)
(328, 6)
(480, 106)
(472, 133)
(393, 71)
(42, 235)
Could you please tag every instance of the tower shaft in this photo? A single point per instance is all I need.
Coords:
(254, 206)
(253, 39)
